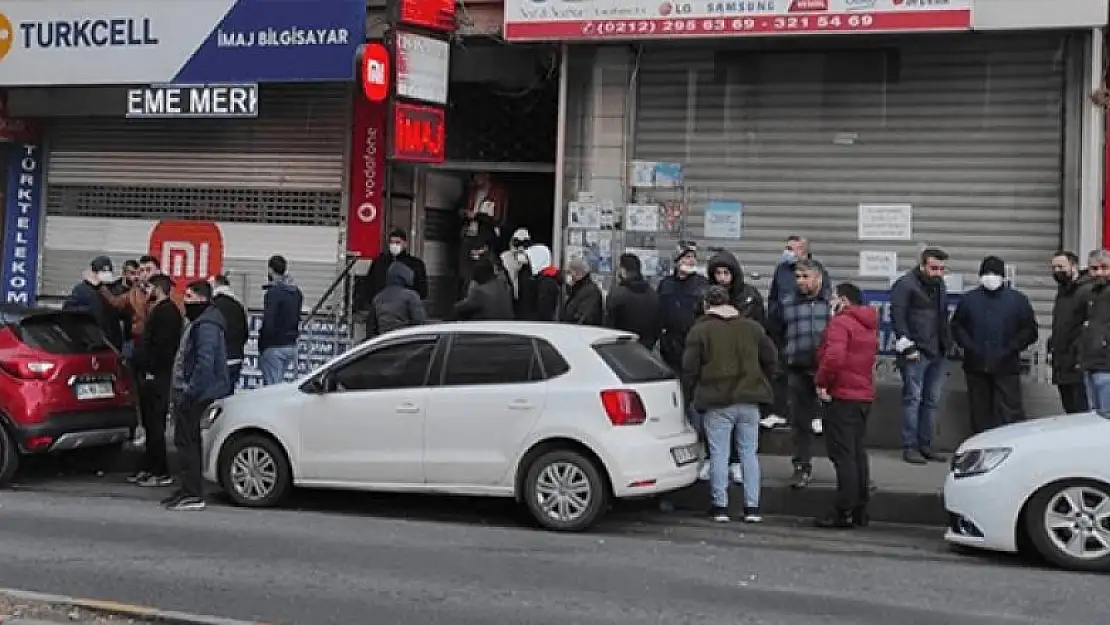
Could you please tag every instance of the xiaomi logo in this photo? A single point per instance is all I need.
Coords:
(188, 250)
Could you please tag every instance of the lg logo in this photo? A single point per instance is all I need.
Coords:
(188, 250)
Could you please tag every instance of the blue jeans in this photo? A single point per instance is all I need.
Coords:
(721, 425)
(1097, 384)
(921, 386)
(275, 362)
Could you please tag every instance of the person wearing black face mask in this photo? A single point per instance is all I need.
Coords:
(200, 377)
(1067, 324)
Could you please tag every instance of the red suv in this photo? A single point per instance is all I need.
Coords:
(62, 386)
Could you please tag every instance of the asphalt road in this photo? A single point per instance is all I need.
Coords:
(334, 563)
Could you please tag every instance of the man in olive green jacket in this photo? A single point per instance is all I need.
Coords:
(727, 368)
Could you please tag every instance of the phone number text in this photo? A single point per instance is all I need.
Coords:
(706, 25)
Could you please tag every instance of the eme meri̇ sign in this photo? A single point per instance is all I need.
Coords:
(160, 101)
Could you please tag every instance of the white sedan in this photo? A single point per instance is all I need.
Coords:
(1043, 484)
(563, 418)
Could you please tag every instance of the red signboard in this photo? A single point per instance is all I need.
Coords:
(187, 250)
(367, 179)
(419, 133)
(655, 19)
(375, 72)
(433, 14)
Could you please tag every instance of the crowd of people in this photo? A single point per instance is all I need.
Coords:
(184, 349)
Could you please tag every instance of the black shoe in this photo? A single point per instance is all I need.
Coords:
(177, 496)
(835, 520)
(860, 517)
(719, 515)
(803, 475)
(912, 456)
(928, 454)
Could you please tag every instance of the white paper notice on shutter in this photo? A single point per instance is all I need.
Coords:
(885, 222)
(423, 67)
(877, 264)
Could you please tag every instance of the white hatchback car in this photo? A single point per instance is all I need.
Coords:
(1042, 484)
(563, 418)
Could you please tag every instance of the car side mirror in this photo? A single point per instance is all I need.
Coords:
(318, 385)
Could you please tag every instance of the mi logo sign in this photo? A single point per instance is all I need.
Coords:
(188, 250)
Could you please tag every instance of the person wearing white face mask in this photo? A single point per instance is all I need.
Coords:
(367, 287)
(993, 324)
(86, 297)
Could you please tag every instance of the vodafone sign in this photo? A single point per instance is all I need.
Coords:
(367, 179)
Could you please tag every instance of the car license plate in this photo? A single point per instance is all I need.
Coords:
(684, 455)
(94, 390)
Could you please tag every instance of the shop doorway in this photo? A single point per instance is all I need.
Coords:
(443, 196)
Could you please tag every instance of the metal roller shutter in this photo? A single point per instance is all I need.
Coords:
(282, 172)
(968, 130)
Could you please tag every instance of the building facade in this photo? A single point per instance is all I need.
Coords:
(210, 133)
(872, 127)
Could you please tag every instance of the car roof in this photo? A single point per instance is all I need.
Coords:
(553, 332)
(14, 313)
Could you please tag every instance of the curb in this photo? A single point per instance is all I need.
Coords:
(124, 609)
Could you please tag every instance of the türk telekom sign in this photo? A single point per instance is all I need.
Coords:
(570, 20)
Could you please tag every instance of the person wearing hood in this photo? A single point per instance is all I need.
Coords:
(993, 324)
(632, 305)
(545, 294)
(846, 383)
(237, 330)
(1067, 324)
(681, 298)
(397, 305)
(199, 377)
(281, 323)
(518, 271)
(919, 323)
(584, 299)
(727, 364)
(724, 269)
(489, 300)
(86, 297)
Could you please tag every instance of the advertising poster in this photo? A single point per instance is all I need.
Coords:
(724, 220)
(321, 341)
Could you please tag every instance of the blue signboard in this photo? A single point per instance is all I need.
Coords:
(22, 224)
(881, 301)
(128, 42)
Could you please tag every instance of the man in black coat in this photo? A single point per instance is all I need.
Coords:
(1067, 323)
(583, 305)
(489, 300)
(993, 324)
(236, 328)
(397, 251)
(1094, 357)
(724, 269)
(154, 358)
(633, 306)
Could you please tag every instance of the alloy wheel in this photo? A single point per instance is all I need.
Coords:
(1077, 521)
(563, 492)
(254, 473)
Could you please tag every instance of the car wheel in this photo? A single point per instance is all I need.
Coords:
(254, 472)
(565, 491)
(1069, 524)
(9, 456)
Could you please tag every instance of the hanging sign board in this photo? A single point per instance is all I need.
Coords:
(375, 72)
(423, 66)
(419, 133)
(438, 15)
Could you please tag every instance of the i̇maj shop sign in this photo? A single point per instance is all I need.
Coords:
(573, 20)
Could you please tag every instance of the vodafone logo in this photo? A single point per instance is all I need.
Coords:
(367, 212)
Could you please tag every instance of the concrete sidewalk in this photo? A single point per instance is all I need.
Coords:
(906, 493)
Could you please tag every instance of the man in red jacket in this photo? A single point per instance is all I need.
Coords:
(845, 381)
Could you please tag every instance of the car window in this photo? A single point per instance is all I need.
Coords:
(554, 365)
(632, 362)
(400, 365)
(62, 333)
(491, 359)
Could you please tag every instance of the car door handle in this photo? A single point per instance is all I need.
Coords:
(408, 408)
(520, 404)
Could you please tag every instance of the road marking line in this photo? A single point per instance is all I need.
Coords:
(125, 609)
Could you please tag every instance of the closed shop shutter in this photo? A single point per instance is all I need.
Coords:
(967, 130)
(274, 185)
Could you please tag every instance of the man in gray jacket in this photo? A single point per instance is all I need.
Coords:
(397, 305)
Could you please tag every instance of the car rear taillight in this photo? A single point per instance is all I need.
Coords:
(623, 407)
(28, 368)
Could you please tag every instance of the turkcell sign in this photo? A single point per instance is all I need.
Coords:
(22, 224)
(161, 101)
(136, 42)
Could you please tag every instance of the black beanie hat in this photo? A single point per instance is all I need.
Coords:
(992, 265)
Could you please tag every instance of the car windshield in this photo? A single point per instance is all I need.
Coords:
(62, 333)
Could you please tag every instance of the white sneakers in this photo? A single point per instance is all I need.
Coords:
(772, 421)
(735, 471)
